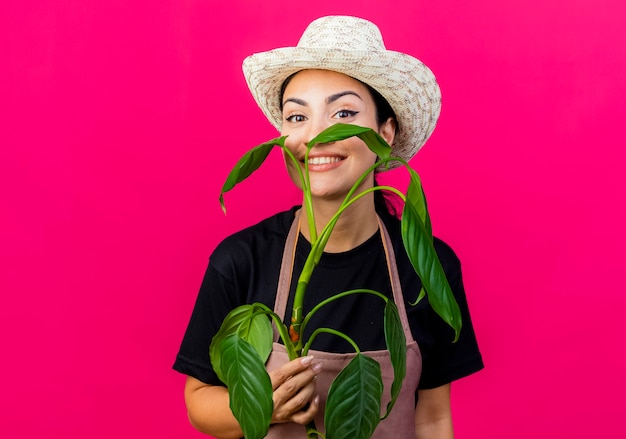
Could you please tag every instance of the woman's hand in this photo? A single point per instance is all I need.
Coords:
(294, 385)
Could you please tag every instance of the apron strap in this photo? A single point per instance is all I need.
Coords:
(286, 269)
(394, 278)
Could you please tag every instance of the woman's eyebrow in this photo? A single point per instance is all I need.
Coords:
(332, 98)
(329, 100)
(296, 101)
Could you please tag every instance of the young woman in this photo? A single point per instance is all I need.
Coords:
(340, 71)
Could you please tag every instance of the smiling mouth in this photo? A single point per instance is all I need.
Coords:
(323, 160)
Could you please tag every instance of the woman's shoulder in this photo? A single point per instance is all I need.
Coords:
(260, 237)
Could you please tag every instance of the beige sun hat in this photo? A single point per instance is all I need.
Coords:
(352, 46)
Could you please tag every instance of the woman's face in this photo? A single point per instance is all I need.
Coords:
(315, 99)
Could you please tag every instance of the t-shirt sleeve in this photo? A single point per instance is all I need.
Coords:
(212, 305)
(242, 269)
(442, 360)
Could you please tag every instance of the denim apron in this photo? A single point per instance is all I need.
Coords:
(400, 424)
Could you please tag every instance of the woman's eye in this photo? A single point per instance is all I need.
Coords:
(342, 114)
(295, 118)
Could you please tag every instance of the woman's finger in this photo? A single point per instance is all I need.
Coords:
(294, 386)
(286, 410)
(286, 371)
(306, 416)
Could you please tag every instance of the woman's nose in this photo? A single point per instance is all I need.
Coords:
(315, 128)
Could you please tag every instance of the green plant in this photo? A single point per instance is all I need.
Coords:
(243, 344)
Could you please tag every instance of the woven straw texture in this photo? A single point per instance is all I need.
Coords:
(354, 47)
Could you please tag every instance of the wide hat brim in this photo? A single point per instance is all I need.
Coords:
(405, 82)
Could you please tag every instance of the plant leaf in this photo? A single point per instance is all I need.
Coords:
(338, 131)
(419, 247)
(376, 144)
(249, 322)
(249, 386)
(353, 406)
(420, 296)
(341, 131)
(250, 162)
(258, 332)
(396, 343)
(416, 197)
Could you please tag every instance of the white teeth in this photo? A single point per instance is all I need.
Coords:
(323, 160)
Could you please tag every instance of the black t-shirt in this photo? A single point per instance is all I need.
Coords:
(245, 268)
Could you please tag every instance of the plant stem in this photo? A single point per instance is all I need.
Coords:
(311, 431)
(306, 190)
(308, 198)
(329, 331)
(318, 245)
(336, 297)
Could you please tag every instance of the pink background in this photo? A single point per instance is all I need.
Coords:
(121, 119)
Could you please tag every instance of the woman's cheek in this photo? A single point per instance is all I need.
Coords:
(292, 170)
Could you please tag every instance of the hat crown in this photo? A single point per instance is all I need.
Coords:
(342, 33)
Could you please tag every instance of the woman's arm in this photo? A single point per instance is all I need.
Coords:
(209, 411)
(433, 416)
